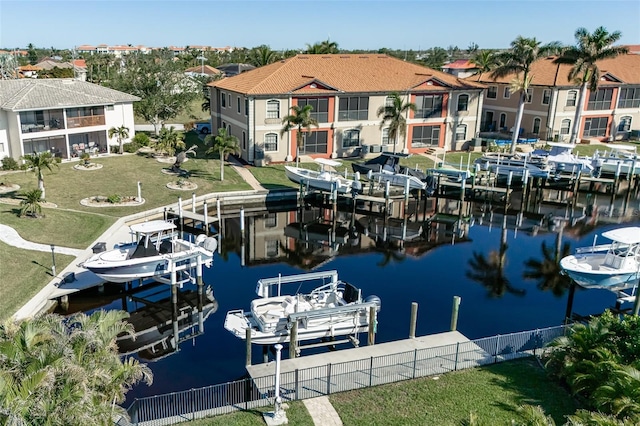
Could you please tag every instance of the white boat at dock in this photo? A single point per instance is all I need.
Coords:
(618, 160)
(561, 159)
(335, 308)
(324, 180)
(157, 253)
(386, 168)
(611, 266)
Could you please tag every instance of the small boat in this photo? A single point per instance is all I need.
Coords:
(492, 159)
(562, 160)
(611, 266)
(619, 160)
(386, 168)
(324, 180)
(157, 253)
(155, 327)
(335, 308)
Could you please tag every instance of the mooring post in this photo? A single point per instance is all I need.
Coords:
(247, 334)
(139, 193)
(454, 313)
(193, 202)
(242, 223)
(372, 326)
(636, 303)
(205, 215)
(293, 340)
(572, 292)
(414, 318)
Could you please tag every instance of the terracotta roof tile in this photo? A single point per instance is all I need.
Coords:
(545, 72)
(344, 73)
(461, 64)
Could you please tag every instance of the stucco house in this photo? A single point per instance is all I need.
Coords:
(64, 116)
(345, 92)
(610, 113)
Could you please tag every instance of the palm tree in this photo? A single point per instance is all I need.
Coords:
(583, 57)
(121, 133)
(31, 206)
(517, 61)
(300, 119)
(436, 58)
(323, 47)
(170, 140)
(262, 55)
(224, 144)
(37, 162)
(393, 113)
(484, 60)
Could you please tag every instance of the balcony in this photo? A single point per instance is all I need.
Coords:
(93, 120)
(41, 121)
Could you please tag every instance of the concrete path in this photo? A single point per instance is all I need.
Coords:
(9, 236)
(322, 412)
(245, 174)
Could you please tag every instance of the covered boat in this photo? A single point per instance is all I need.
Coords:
(386, 168)
(335, 308)
(612, 266)
(158, 252)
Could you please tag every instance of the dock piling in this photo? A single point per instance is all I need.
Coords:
(248, 341)
(293, 341)
(414, 317)
(372, 326)
(454, 312)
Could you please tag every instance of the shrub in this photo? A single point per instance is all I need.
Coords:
(141, 139)
(9, 163)
(85, 157)
(114, 199)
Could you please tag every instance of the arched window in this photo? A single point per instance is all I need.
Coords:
(536, 125)
(461, 132)
(565, 126)
(463, 102)
(572, 95)
(273, 109)
(625, 124)
(350, 138)
(271, 142)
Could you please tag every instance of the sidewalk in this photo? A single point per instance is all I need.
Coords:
(245, 173)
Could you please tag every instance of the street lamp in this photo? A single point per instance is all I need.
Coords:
(53, 257)
(201, 59)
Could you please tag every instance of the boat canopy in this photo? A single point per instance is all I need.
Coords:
(561, 145)
(152, 227)
(327, 162)
(620, 147)
(628, 235)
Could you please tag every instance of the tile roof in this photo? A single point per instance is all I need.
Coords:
(461, 64)
(48, 64)
(341, 73)
(29, 94)
(545, 72)
(208, 69)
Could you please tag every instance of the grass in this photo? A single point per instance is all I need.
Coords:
(492, 393)
(193, 112)
(24, 273)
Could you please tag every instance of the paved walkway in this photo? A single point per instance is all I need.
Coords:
(245, 174)
(9, 236)
(322, 412)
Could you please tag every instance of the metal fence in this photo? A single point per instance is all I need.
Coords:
(305, 383)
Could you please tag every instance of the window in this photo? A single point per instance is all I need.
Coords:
(315, 143)
(353, 108)
(238, 100)
(388, 102)
(320, 108)
(629, 98)
(229, 99)
(271, 142)
(461, 132)
(600, 99)
(463, 102)
(546, 97)
(428, 106)
(529, 96)
(385, 136)
(596, 126)
(229, 129)
(244, 140)
(625, 124)
(572, 95)
(273, 109)
(492, 92)
(503, 121)
(536, 126)
(424, 136)
(565, 126)
(223, 100)
(272, 248)
(350, 138)
(246, 106)
(507, 92)
(271, 221)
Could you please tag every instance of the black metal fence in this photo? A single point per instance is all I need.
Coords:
(306, 383)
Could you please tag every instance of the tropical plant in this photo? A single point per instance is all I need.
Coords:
(517, 62)
(262, 55)
(169, 141)
(393, 114)
(121, 133)
(324, 47)
(301, 120)
(590, 48)
(30, 205)
(56, 370)
(484, 60)
(37, 162)
(436, 58)
(224, 144)
(9, 163)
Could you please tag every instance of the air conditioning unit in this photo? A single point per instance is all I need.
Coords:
(375, 148)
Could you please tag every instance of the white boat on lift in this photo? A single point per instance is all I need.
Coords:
(324, 180)
(335, 308)
(611, 266)
(620, 159)
(562, 160)
(158, 253)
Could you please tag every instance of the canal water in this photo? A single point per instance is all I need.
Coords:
(485, 261)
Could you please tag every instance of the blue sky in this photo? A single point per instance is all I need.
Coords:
(363, 24)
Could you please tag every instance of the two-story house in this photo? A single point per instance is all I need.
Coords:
(63, 116)
(345, 92)
(610, 112)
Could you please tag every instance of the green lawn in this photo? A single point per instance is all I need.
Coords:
(193, 112)
(493, 393)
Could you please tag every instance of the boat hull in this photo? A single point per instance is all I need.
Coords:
(400, 180)
(580, 268)
(324, 181)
